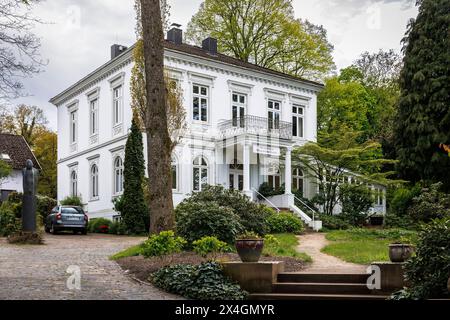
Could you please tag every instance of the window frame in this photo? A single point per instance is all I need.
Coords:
(93, 116)
(118, 173)
(73, 126)
(94, 182)
(298, 117)
(202, 166)
(73, 183)
(239, 119)
(272, 120)
(200, 96)
(298, 176)
(117, 114)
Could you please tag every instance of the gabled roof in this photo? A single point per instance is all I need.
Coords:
(17, 150)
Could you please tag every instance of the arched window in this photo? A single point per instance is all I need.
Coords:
(297, 180)
(174, 174)
(199, 173)
(118, 175)
(94, 181)
(73, 183)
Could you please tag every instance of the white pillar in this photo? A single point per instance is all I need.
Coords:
(246, 161)
(288, 172)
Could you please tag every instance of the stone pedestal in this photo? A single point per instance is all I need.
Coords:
(254, 277)
(392, 276)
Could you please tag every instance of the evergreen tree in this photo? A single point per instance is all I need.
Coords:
(133, 207)
(423, 121)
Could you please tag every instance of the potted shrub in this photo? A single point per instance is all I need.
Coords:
(400, 251)
(249, 247)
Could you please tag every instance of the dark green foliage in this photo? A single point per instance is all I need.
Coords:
(134, 211)
(431, 204)
(117, 228)
(99, 225)
(45, 205)
(162, 244)
(333, 222)
(424, 114)
(72, 201)
(195, 220)
(267, 190)
(356, 201)
(251, 216)
(285, 222)
(203, 282)
(9, 223)
(429, 270)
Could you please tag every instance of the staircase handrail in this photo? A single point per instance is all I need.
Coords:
(268, 201)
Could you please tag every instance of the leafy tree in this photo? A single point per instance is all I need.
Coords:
(5, 170)
(331, 167)
(423, 120)
(45, 150)
(266, 33)
(19, 47)
(159, 143)
(356, 201)
(134, 211)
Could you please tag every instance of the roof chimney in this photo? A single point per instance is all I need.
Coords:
(210, 45)
(117, 50)
(175, 34)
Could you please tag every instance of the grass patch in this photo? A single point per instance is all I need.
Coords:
(286, 247)
(129, 252)
(364, 246)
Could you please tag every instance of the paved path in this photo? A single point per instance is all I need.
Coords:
(312, 243)
(39, 272)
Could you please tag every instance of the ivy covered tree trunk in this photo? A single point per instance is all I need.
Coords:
(423, 121)
(134, 210)
(158, 138)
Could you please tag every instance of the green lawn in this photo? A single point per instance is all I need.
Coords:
(285, 248)
(364, 246)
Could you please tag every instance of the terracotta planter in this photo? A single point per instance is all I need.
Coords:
(399, 252)
(249, 250)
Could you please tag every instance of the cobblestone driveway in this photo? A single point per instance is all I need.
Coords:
(39, 272)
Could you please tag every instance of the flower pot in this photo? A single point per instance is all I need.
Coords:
(249, 250)
(399, 252)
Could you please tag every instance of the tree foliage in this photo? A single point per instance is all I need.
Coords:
(423, 120)
(133, 209)
(266, 33)
(5, 170)
(19, 47)
(46, 151)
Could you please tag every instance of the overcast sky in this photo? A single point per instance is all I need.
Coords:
(79, 33)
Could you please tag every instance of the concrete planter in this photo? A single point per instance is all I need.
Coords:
(249, 250)
(399, 252)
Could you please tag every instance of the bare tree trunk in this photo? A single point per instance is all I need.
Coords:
(158, 139)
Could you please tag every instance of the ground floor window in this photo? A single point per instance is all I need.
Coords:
(174, 174)
(297, 181)
(73, 184)
(199, 173)
(118, 175)
(94, 181)
(274, 180)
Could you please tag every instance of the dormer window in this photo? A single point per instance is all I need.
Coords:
(5, 156)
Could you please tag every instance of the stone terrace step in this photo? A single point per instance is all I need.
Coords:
(320, 288)
(321, 278)
(297, 296)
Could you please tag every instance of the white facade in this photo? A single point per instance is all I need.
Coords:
(242, 114)
(13, 182)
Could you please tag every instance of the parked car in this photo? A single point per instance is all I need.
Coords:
(70, 218)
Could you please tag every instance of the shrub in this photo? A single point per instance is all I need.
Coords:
(333, 222)
(402, 199)
(266, 190)
(165, 243)
(9, 223)
(249, 235)
(356, 201)
(249, 214)
(195, 220)
(72, 201)
(285, 222)
(430, 204)
(44, 205)
(429, 270)
(203, 282)
(209, 247)
(117, 228)
(99, 225)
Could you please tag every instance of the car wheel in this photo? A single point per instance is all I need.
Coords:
(75, 232)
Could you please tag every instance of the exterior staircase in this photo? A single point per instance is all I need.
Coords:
(308, 286)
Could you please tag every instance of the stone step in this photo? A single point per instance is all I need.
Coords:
(320, 288)
(298, 296)
(320, 278)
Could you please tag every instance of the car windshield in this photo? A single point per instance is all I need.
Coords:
(72, 210)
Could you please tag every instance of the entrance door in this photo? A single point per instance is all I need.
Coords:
(236, 180)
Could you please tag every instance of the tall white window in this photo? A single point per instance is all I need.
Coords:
(117, 104)
(73, 127)
(94, 181)
(93, 117)
(174, 174)
(199, 173)
(297, 121)
(73, 184)
(297, 180)
(239, 103)
(274, 114)
(118, 175)
(274, 180)
(200, 103)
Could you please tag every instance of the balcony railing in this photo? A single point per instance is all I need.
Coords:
(256, 125)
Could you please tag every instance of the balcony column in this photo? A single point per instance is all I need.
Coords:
(288, 172)
(246, 160)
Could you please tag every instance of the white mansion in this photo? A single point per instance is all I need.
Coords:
(243, 122)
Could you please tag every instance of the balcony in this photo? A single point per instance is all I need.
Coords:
(257, 126)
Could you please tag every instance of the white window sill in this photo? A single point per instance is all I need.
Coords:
(94, 199)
